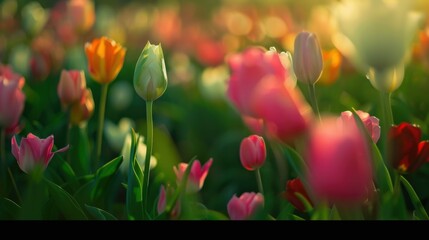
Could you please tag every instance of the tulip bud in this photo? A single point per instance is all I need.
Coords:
(294, 187)
(82, 110)
(71, 86)
(252, 152)
(165, 194)
(386, 80)
(150, 75)
(308, 60)
(245, 206)
(12, 101)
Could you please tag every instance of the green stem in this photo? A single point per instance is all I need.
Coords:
(313, 99)
(415, 199)
(259, 181)
(149, 144)
(18, 195)
(3, 147)
(386, 121)
(102, 104)
(69, 127)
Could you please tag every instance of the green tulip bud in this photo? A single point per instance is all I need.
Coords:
(150, 76)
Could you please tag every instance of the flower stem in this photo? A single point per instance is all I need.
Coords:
(415, 199)
(386, 121)
(313, 99)
(259, 180)
(149, 144)
(102, 103)
(4, 162)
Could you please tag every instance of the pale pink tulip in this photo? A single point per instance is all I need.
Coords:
(247, 70)
(34, 151)
(245, 206)
(71, 86)
(197, 175)
(81, 14)
(371, 123)
(253, 152)
(307, 57)
(7, 72)
(339, 162)
(12, 101)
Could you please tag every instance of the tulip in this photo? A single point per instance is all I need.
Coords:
(12, 101)
(81, 111)
(197, 174)
(105, 59)
(140, 155)
(150, 75)
(371, 123)
(252, 152)
(34, 151)
(162, 202)
(116, 134)
(285, 112)
(308, 60)
(71, 86)
(255, 125)
(339, 162)
(245, 206)
(294, 187)
(406, 152)
(7, 72)
(81, 14)
(247, 71)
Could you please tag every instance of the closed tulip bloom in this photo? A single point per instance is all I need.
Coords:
(164, 195)
(105, 59)
(247, 71)
(294, 187)
(253, 152)
(285, 112)
(406, 152)
(12, 101)
(71, 86)
(197, 176)
(34, 151)
(150, 76)
(372, 124)
(339, 162)
(245, 206)
(308, 58)
(81, 111)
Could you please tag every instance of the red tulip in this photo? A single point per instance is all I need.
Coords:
(12, 101)
(245, 206)
(253, 152)
(406, 152)
(294, 187)
(197, 175)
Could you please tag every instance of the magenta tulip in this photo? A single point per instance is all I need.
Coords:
(34, 151)
(197, 175)
(12, 101)
(253, 152)
(245, 206)
(371, 123)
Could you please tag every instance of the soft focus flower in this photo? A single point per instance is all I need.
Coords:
(7, 72)
(81, 14)
(105, 59)
(285, 112)
(372, 124)
(81, 111)
(245, 206)
(150, 75)
(40, 66)
(34, 151)
(379, 41)
(140, 155)
(247, 71)
(34, 17)
(307, 57)
(332, 60)
(256, 125)
(197, 175)
(12, 101)
(294, 187)
(406, 152)
(116, 134)
(71, 86)
(339, 162)
(164, 195)
(253, 152)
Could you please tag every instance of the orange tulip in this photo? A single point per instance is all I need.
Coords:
(105, 59)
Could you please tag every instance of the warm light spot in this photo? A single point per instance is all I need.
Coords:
(275, 27)
(238, 23)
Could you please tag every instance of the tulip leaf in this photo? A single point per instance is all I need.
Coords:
(79, 152)
(60, 172)
(286, 211)
(99, 214)
(104, 177)
(134, 198)
(420, 210)
(214, 215)
(382, 176)
(297, 163)
(64, 202)
(8, 209)
(321, 212)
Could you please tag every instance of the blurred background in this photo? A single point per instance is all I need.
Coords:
(193, 118)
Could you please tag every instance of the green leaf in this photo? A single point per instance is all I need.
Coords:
(8, 209)
(420, 210)
(134, 199)
(99, 214)
(60, 172)
(297, 163)
(214, 215)
(79, 153)
(392, 206)
(104, 177)
(321, 212)
(65, 202)
(286, 211)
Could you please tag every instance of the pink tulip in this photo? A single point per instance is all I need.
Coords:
(253, 152)
(34, 151)
(371, 123)
(245, 206)
(71, 86)
(82, 110)
(12, 101)
(255, 125)
(285, 112)
(82, 14)
(197, 175)
(247, 70)
(7, 72)
(339, 162)
(162, 201)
